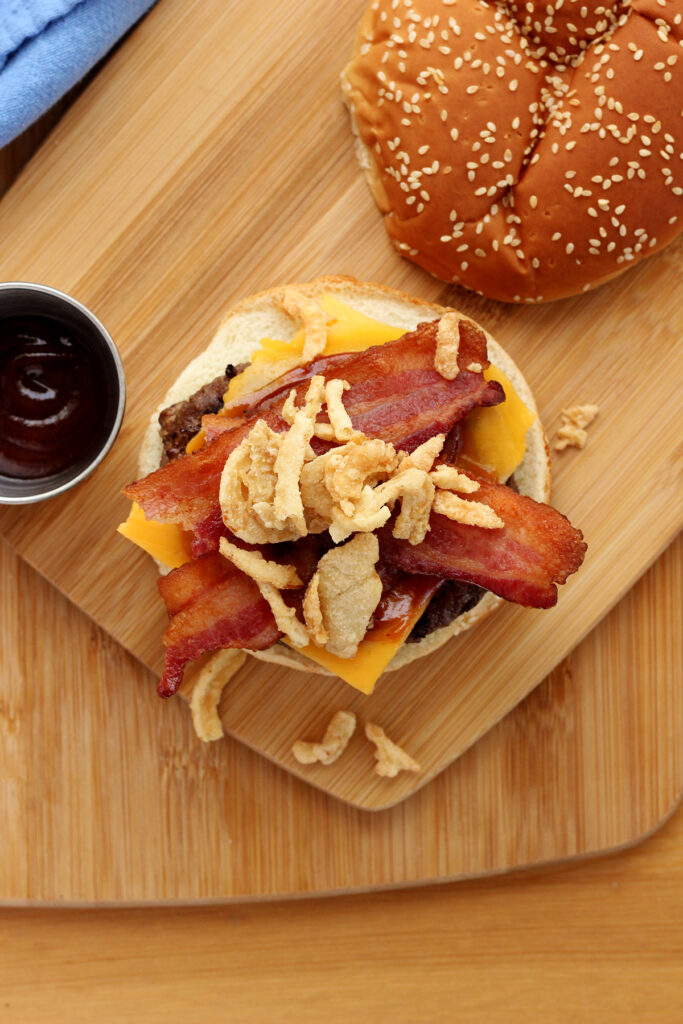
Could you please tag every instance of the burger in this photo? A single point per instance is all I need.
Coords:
(346, 478)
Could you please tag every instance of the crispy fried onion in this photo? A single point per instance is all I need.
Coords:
(340, 428)
(270, 577)
(343, 594)
(391, 759)
(447, 346)
(247, 489)
(207, 690)
(572, 431)
(448, 478)
(291, 456)
(252, 562)
(259, 490)
(354, 488)
(333, 744)
(285, 617)
(470, 513)
(296, 305)
(313, 613)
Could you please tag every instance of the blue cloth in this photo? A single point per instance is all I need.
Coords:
(46, 46)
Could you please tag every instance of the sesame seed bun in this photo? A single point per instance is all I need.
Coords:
(259, 316)
(527, 155)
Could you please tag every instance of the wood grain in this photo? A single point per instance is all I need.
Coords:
(156, 203)
(106, 796)
(602, 941)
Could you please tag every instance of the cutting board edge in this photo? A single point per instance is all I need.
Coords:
(569, 861)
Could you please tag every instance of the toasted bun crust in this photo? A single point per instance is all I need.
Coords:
(259, 316)
(526, 155)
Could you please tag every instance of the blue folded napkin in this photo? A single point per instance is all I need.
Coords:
(46, 46)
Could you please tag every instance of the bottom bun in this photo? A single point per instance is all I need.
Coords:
(259, 316)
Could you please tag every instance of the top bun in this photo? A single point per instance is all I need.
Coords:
(527, 151)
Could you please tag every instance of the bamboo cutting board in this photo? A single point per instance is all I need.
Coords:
(105, 799)
(212, 158)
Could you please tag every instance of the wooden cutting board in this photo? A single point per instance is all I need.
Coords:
(107, 797)
(212, 158)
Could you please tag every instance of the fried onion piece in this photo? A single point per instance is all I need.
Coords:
(285, 617)
(448, 478)
(259, 492)
(247, 489)
(313, 615)
(417, 495)
(207, 691)
(289, 408)
(469, 513)
(349, 590)
(333, 744)
(423, 457)
(349, 471)
(326, 432)
(291, 456)
(340, 421)
(337, 491)
(572, 430)
(314, 318)
(260, 569)
(448, 346)
(391, 759)
(352, 489)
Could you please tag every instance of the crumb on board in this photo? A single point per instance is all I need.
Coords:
(391, 759)
(572, 431)
(333, 744)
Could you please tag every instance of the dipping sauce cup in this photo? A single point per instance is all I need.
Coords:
(62, 392)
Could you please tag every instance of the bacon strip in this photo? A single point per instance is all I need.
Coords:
(395, 394)
(211, 605)
(537, 549)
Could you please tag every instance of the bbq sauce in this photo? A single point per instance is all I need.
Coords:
(395, 611)
(50, 398)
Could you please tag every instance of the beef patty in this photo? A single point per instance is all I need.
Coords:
(180, 422)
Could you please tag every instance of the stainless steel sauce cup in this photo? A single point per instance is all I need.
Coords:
(23, 299)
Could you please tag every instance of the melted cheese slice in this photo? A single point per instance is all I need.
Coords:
(495, 439)
(164, 541)
(372, 657)
(347, 331)
(495, 436)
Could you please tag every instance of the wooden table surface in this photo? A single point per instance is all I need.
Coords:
(600, 941)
